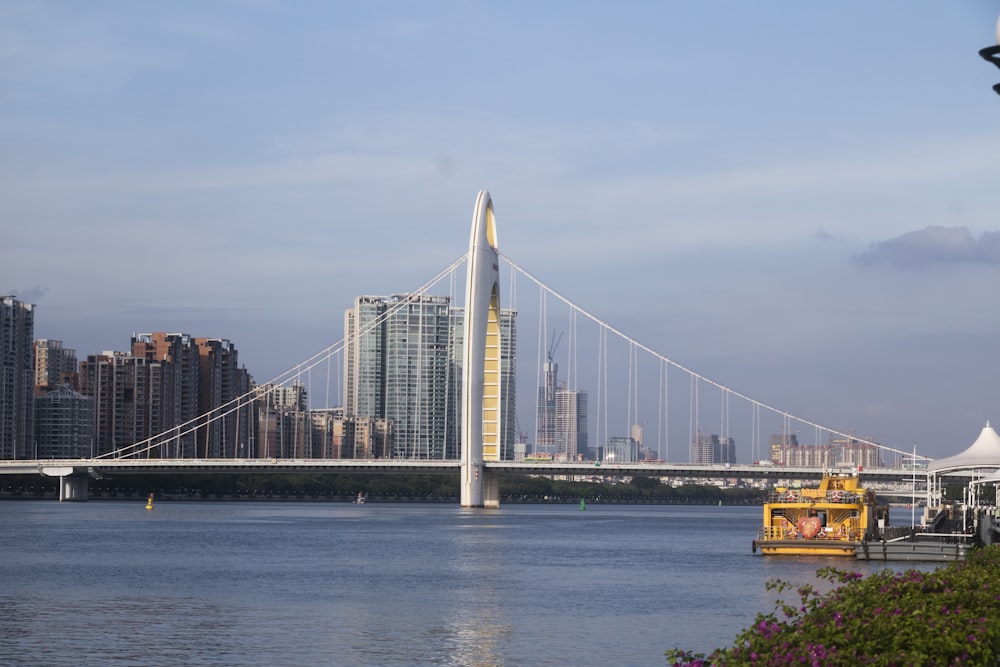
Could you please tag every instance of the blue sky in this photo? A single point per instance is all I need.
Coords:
(798, 200)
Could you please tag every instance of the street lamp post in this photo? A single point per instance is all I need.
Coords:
(992, 54)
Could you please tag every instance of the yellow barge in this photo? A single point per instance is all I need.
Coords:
(831, 520)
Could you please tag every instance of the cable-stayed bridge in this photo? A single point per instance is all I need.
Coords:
(478, 404)
(110, 467)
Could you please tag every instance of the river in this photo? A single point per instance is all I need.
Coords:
(309, 583)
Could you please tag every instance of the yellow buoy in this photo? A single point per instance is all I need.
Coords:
(149, 502)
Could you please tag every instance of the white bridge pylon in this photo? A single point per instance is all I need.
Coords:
(481, 361)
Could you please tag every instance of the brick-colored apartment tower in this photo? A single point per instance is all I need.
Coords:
(166, 384)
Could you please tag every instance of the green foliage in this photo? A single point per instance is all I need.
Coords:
(279, 485)
(645, 483)
(950, 616)
(646, 490)
(388, 487)
(953, 492)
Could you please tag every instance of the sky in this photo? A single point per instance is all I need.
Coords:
(796, 200)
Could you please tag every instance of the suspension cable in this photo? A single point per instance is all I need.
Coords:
(692, 373)
(264, 391)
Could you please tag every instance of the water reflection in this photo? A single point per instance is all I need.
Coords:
(477, 625)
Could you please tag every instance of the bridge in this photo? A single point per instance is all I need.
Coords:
(110, 467)
(483, 425)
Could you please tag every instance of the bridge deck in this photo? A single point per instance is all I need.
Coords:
(62, 467)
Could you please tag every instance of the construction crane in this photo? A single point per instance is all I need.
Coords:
(553, 345)
(521, 435)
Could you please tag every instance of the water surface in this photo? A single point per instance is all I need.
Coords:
(296, 583)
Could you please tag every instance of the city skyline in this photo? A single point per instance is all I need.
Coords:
(387, 337)
(796, 201)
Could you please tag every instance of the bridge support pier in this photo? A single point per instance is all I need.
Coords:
(491, 491)
(73, 484)
(74, 488)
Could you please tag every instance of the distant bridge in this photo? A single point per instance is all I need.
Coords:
(74, 473)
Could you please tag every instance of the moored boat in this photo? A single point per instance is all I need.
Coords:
(831, 520)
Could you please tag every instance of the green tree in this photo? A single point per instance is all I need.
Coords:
(950, 616)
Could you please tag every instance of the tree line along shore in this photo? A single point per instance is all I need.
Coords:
(376, 488)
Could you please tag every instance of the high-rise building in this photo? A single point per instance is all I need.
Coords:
(561, 418)
(285, 426)
(726, 453)
(175, 394)
(838, 452)
(545, 410)
(397, 369)
(128, 403)
(54, 364)
(64, 423)
(221, 381)
(703, 448)
(621, 450)
(172, 386)
(781, 445)
(402, 370)
(328, 428)
(858, 454)
(637, 430)
(364, 357)
(707, 449)
(17, 378)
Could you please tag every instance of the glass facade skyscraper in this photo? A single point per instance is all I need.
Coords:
(401, 364)
(397, 368)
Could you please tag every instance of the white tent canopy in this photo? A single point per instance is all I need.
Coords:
(981, 459)
(983, 453)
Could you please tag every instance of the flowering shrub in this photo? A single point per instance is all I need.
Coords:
(950, 616)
